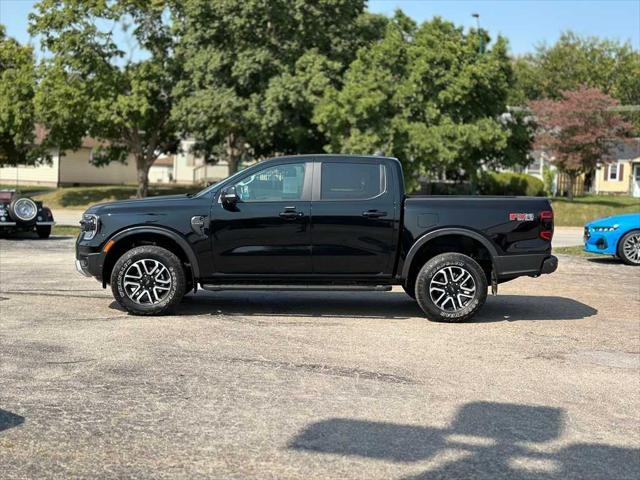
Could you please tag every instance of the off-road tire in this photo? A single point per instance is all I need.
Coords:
(431, 268)
(621, 254)
(43, 231)
(166, 258)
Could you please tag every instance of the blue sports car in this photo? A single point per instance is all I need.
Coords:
(618, 235)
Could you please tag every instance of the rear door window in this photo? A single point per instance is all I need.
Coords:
(352, 181)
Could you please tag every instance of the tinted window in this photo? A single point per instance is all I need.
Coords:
(273, 184)
(352, 181)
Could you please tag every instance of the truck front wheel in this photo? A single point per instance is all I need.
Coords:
(148, 280)
(451, 287)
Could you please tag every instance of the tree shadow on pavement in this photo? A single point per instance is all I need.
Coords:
(486, 440)
(9, 420)
(374, 305)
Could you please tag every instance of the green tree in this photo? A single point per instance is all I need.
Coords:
(17, 108)
(90, 87)
(575, 61)
(429, 95)
(255, 68)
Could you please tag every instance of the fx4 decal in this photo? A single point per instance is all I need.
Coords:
(522, 217)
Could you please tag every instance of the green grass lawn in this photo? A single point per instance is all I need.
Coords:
(65, 231)
(83, 197)
(576, 213)
(584, 209)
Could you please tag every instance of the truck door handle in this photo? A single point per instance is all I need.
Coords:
(374, 214)
(290, 214)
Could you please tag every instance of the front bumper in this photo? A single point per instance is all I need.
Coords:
(82, 268)
(26, 225)
(90, 264)
(601, 242)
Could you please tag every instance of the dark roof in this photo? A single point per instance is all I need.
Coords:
(87, 142)
(166, 161)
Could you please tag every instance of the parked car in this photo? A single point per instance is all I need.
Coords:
(618, 235)
(316, 222)
(19, 213)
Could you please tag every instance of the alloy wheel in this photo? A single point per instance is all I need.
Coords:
(147, 282)
(631, 248)
(452, 288)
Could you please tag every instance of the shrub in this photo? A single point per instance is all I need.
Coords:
(506, 183)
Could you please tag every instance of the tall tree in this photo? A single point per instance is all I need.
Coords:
(254, 68)
(574, 61)
(17, 108)
(90, 86)
(432, 95)
(579, 130)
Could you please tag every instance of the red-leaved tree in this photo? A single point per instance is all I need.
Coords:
(579, 130)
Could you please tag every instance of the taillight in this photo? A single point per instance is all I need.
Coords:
(546, 225)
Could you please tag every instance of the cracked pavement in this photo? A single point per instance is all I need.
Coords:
(543, 384)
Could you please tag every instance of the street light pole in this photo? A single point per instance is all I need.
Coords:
(477, 17)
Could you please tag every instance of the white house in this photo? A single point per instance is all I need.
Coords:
(74, 168)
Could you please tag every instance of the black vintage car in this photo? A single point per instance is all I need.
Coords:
(19, 213)
(316, 222)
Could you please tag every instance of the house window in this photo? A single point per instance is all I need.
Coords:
(613, 171)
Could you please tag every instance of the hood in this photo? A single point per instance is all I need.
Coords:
(137, 204)
(621, 219)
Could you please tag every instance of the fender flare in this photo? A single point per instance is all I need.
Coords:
(415, 248)
(182, 243)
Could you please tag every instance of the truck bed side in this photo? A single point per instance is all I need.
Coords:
(506, 229)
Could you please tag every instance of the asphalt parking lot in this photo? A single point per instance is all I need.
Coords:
(543, 384)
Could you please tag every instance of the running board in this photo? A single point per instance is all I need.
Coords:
(304, 288)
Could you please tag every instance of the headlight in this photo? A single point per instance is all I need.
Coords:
(89, 225)
(25, 209)
(605, 229)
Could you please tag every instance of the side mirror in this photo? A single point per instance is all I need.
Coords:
(229, 196)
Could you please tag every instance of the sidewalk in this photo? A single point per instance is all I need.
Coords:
(63, 216)
(567, 236)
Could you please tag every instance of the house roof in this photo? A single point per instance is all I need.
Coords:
(164, 161)
(41, 131)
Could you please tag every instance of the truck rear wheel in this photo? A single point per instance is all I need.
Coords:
(148, 280)
(451, 287)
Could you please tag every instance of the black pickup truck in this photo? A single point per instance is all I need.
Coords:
(316, 222)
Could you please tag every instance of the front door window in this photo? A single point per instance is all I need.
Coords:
(280, 183)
